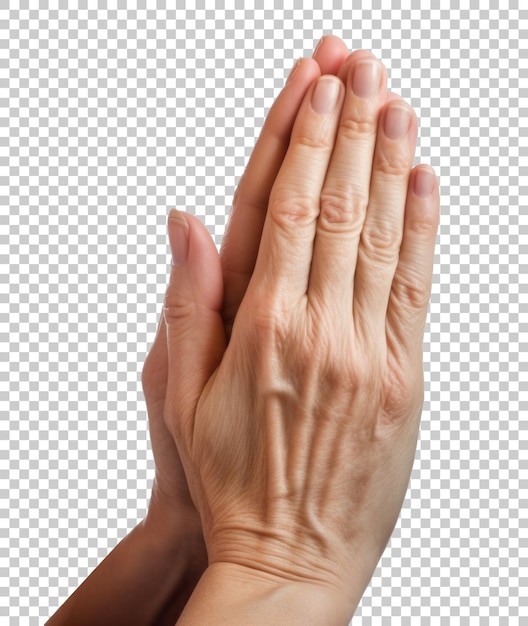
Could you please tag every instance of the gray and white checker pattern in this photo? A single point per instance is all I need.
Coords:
(112, 116)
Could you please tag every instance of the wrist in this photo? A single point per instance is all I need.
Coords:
(230, 593)
(179, 551)
(145, 579)
(173, 525)
(175, 534)
(344, 573)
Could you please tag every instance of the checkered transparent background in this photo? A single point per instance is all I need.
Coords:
(109, 118)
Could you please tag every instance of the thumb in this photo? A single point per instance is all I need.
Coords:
(193, 316)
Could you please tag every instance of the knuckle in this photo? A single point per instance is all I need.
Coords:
(381, 242)
(423, 224)
(311, 140)
(392, 163)
(266, 313)
(396, 411)
(267, 322)
(340, 369)
(175, 309)
(363, 372)
(270, 335)
(404, 395)
(360, 380)
(341, 372)
(272, 326)
(289, 210)
(352, 128)
(410, 290)
(339, 209)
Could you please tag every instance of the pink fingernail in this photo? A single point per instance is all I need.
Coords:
(325, 94)
(178, 230)
(397, 121)
(366, 79)
(424, 182)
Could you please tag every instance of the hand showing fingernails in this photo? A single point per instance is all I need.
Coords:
(298, 438)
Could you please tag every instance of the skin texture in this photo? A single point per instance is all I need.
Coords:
(284, 387)
(171, 501)
(151, 573)
(296, 383)
(237, 258)
(238, 255)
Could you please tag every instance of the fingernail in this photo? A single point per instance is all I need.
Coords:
(318, 45)
(178, 230)
(293, 70)
(325, 94)
(397, 121)
(366, 79)
(424, 182)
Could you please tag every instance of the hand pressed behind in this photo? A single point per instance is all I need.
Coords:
(298, 437)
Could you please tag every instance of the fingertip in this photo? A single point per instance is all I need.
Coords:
(350, 60)
(303, 73)
(411, 285)
(293, 70)
(398, 120)
(330, 54)
(178, 217)
(195, 338)
(178, 232)
(281, 116)
(327, 93)
(195, 259)
(422, 210)
(425, 182)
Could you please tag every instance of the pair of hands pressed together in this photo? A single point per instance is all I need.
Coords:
(284, 387)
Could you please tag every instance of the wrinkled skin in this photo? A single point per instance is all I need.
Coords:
(171, 510)
(297, 428)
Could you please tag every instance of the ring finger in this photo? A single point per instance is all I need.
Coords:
(383, 227)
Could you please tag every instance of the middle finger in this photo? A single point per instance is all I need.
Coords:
(345, 193)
